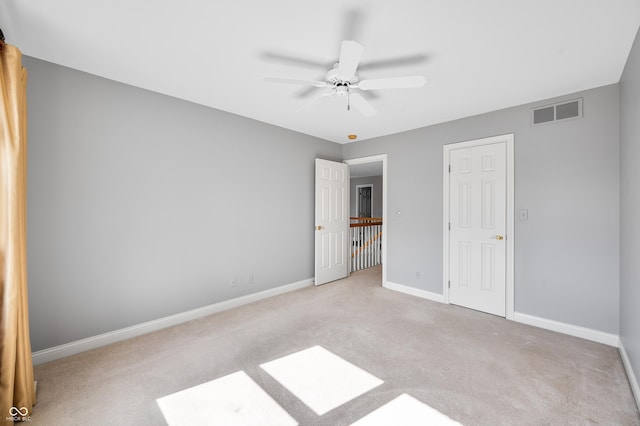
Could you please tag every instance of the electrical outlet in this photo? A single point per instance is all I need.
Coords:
(418, 275)
(250, 280)
(234, 282)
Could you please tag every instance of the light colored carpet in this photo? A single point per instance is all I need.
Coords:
(406, 411)
(321, 379)
(233, 400)
(475, 368)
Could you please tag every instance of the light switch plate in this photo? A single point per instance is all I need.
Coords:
(524, 214)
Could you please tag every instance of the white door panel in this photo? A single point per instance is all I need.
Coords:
(477, 249)
(332, 221)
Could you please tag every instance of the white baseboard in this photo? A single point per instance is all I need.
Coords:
(571, 330)
(633, 380)
(424, 294)
(72, 348)
(560, 327)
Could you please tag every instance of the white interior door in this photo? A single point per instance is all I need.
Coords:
(477, 235)
(332, 221)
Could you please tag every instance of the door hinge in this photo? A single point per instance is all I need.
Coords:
(449, 168)
(449, 226)
(449, 284)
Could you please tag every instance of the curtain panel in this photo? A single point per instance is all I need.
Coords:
(17, 390)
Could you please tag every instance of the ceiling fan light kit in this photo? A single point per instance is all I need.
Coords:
(342, 79)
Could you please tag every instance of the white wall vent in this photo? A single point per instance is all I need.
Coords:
(558, 112)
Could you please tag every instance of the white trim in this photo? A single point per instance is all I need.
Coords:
(570, 329)
(511, 230)
(508, 139)
(424, 294)
(547, 324)
(72, 348)
(445, 223)
(373, 159)
(633, 381)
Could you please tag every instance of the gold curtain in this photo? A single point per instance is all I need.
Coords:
(17, 390)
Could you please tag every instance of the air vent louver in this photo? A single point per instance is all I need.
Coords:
(562, 111)
(543, 115)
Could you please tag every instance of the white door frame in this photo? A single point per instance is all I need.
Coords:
(508, 139)
(374, 159)
(364, 185)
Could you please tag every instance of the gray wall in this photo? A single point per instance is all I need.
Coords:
(630, 208)
(376, 194)
(142, 205)
(566, 175)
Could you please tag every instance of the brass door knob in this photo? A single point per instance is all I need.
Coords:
(319, 228)
(499, 237)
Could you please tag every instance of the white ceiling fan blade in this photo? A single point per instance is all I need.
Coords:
(316, 97)
(393, 83)
(350, 53)
(295, 81)
(362, 105)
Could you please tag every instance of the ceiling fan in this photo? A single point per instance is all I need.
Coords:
(341, 80)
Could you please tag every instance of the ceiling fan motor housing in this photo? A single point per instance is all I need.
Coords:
(342, 89)
(334, 78)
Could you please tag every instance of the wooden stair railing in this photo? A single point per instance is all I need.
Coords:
(366, 242)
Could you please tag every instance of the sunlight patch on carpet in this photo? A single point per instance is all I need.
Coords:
(321, 379)
(233, 400)
(405, 410)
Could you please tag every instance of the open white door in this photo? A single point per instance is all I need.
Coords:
(332, 221)
(478, 225)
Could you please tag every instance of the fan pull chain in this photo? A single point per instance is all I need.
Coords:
(348, 100)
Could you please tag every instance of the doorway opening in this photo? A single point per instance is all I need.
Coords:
(368, 212)
(363, 198)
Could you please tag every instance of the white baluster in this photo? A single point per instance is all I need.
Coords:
(351, 249)
(366, 249)
(360, 238)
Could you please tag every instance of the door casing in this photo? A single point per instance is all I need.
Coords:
(508, 139)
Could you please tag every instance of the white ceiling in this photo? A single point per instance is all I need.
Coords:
(477, 56)
(366, 169)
